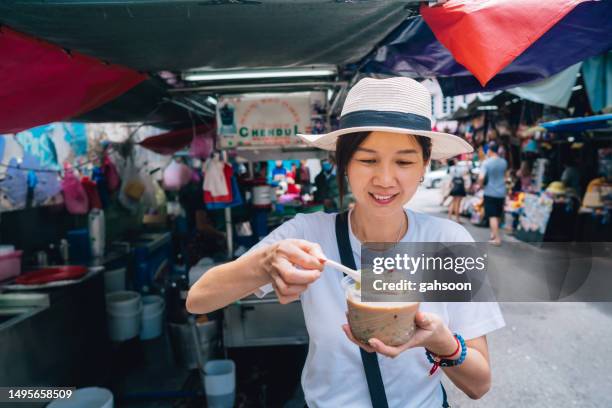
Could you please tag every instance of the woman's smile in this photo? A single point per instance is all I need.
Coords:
(383, 199)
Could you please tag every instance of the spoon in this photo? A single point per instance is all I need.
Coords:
(356, 276)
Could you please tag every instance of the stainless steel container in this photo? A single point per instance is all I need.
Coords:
(264, 322)
(194, 343)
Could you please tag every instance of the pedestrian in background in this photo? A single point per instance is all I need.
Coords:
(493, 177)
(279, 172)
(457, 191)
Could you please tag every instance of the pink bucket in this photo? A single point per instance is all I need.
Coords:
(10, 265)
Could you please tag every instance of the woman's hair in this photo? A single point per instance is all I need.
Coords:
(346, 145)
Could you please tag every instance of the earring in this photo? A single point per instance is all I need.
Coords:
(422, 179)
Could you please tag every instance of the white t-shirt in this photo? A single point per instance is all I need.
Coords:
(333, 375)
(458, 171)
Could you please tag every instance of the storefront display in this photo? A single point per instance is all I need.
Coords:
(596, 212)
(534, 216)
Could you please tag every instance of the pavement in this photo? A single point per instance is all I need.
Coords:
(549, 354)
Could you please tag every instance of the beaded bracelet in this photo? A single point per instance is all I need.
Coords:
(441, 362)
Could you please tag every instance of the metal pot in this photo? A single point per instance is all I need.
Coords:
(194, 343)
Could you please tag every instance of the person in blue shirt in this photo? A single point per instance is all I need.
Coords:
(279, 172)
(493, 177)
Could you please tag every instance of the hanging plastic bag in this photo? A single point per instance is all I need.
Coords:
(91, 188)
(113, 181)
(160, 196)
(14, 187)
(244, 229)
(132, 187)
(75, 196)
(100, 179)
(176, 176)
(43, 183)
(201, 145)
(148, 196)
(47, 187)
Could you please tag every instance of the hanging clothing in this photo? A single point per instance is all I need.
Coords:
(597, 73)
(236, 198)
(91, 189)
(217, 181)
(555, 90)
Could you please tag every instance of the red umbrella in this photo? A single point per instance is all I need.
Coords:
(43, 83)
(486, 36)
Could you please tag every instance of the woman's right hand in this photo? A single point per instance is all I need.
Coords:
(292, 264)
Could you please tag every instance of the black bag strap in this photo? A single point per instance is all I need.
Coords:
(369, 360)
(444, 397)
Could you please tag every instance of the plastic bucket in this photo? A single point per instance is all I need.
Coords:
(114, 280)
(152, 320)
(220, 383)
(124, 326)
(151, 304)
(10, 264)
(90, 397)
(123, 302)
(262, 195)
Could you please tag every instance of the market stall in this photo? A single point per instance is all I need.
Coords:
(572, 203)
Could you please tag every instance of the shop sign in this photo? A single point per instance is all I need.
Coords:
(269, 119)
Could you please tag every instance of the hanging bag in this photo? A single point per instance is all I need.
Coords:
(113, 181)
(176, 176)
(75, 196)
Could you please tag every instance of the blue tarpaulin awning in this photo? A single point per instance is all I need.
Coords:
(579, 124)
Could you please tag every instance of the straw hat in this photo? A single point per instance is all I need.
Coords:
(397, 105)
(556, 187)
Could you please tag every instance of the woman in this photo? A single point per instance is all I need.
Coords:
(382, 148)
(457, 174)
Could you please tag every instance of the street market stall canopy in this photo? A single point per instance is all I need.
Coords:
(464, 45)
(482, 103)
(583, 124)
(184, 34)
(147, 102)
(42, 83)
(150, 36)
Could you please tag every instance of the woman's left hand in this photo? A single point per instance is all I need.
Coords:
(431, 333)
